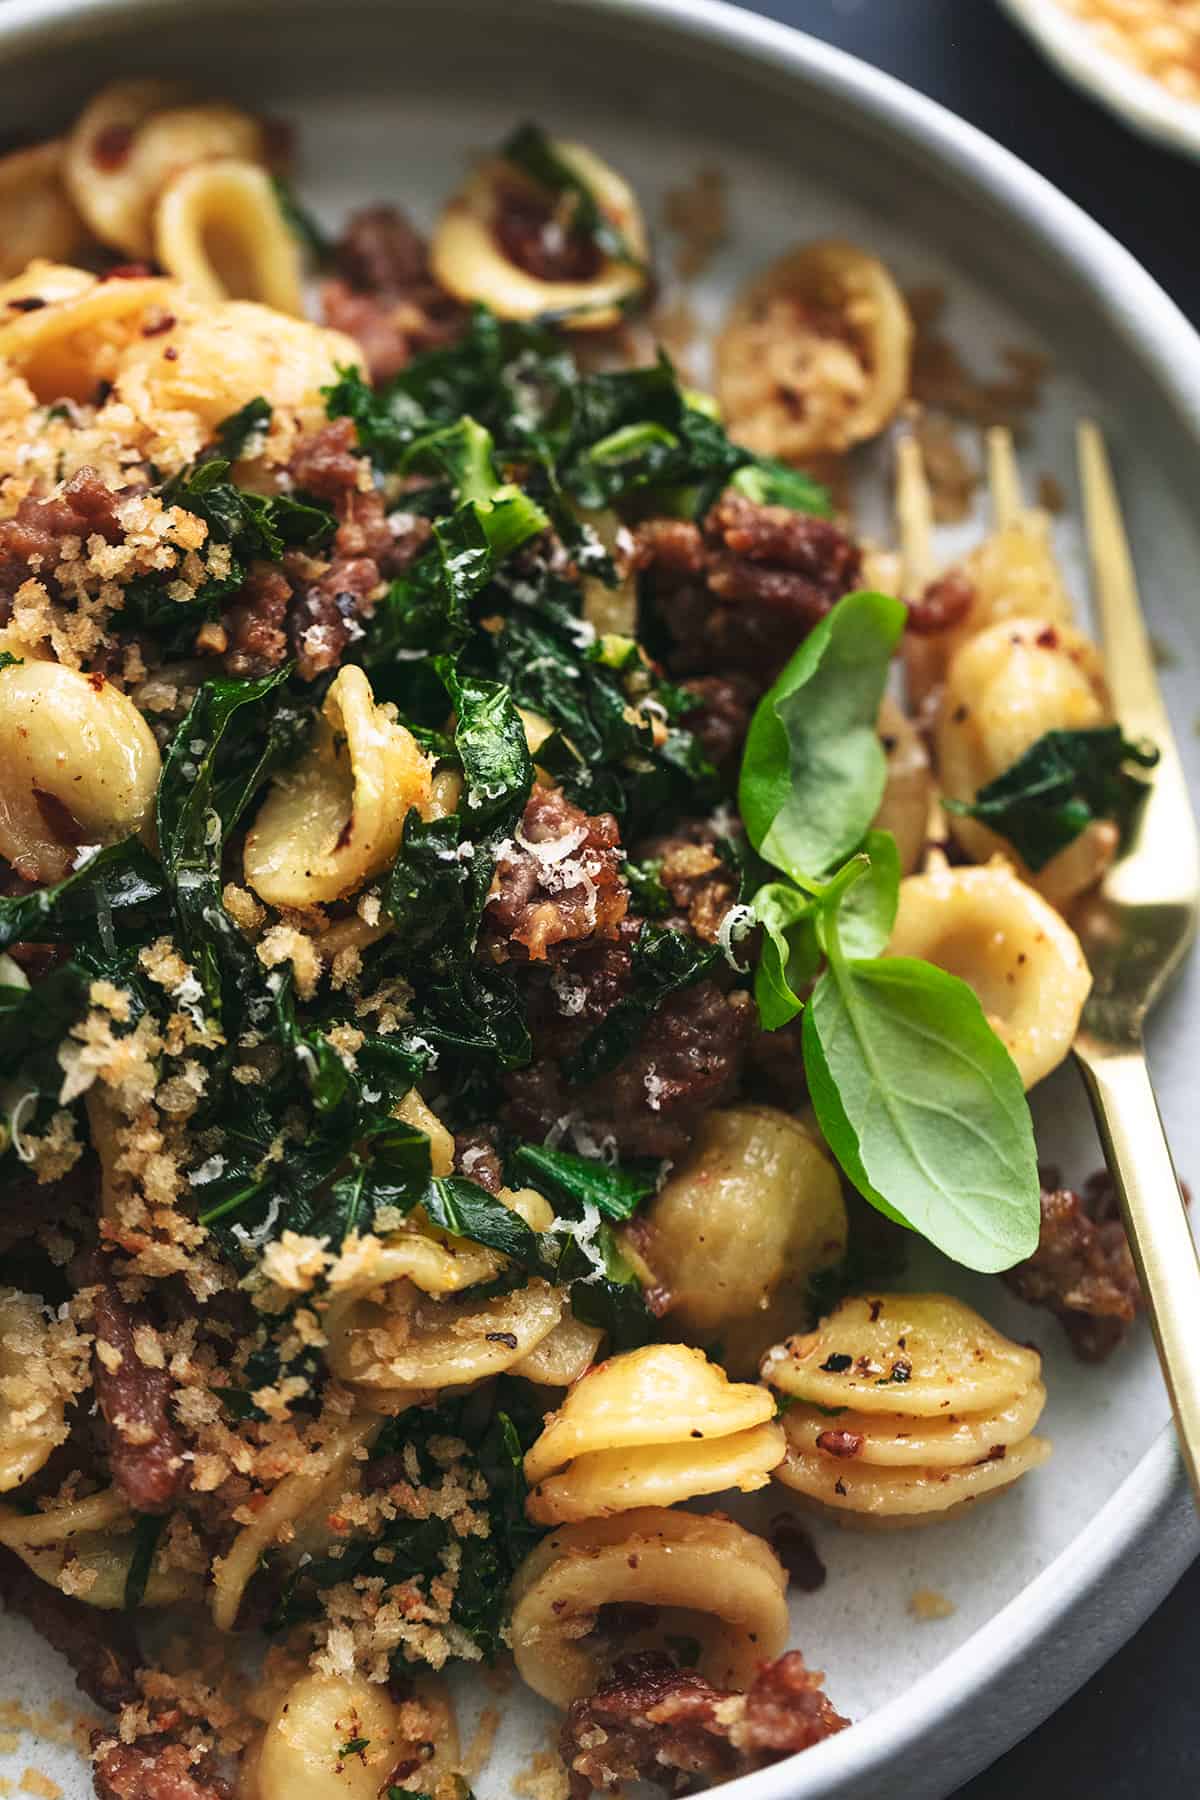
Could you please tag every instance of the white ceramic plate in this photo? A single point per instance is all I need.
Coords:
(1136, 98)
(1049, 1580)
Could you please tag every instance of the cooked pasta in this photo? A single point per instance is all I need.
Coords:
(909, 1406)
(1005, 688)
(129, 142)
(505, 241)
(339, 1735)
(332, 824)
(706, 1578)
(449, 851)
(1009, 945)
(37, 218)
(32, 1412)
(740, 1227)
(814, 356)
(650, 1428)
(219, 230)
(81, 767)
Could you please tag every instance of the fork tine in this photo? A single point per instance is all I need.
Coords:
(914, 515)
(1128, 656)
(1004, 478)
(1164, 856)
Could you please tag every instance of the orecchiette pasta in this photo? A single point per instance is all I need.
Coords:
(37, 218)
(339, 1737)
(172, 369)
(1006, 687)
(814, 356)
(31, 1407)
(219, 230)
(324, 1475)
(129, 142)
(1012, 574)
(919, 1355)
(739, 1227)
(563, 1356)
(469, 258)
(706, 1577)
(81, 766)
(330, 825)
(86, 1548)
(1021, 958)
(909, 1405)
(650, 1427)
(904, 809)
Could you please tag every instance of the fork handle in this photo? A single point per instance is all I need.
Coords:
(1152, 1206)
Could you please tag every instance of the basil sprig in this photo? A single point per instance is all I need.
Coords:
(917, 1097)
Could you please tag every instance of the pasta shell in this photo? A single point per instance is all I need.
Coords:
(921, 1355)
(814, 356)
(903, 1494)
(81, 766)
(1006, 687)
(1010, 946)
(130, 140)
(660, 1394)
(609, 1481)
(32, 1415)
(708, 1577)
(219, 230)
(334, 822)
(468, 261)
(740, 1226)
(92, 1539)
(1012, 574)
(303, 1752)
(898, 1442)
(564, 1356)
(37, 217)
(412, 1341)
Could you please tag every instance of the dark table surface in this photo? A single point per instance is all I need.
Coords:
(1134, 1730)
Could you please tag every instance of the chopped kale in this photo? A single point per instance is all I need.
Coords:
(1061, 784)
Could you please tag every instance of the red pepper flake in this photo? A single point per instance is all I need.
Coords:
(157, 323)
(844, 1444)
(111, 147)
(130, 271)
(171, 354)
(1047, 639)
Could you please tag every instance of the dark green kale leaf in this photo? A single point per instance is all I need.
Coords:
(235, 432)
(499, 1427)
(123, 877)
(253, 525)
(1058, 787)
(650, 899)
(663, 962)
(616, 1190)
(771, 483)
(146, 1532)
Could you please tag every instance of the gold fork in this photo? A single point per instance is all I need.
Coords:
(1135, 930)
(1135, 927)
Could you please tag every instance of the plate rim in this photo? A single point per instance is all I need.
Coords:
(1137, 99)
(984, 1695)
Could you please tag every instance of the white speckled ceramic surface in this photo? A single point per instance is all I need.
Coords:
(1049, 1579)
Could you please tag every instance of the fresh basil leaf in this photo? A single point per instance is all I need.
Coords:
(813, 769)
(769, 482)
(867, 907)
(616, 1191)
(923, 1107)
(1058, 787)
(790, 954)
